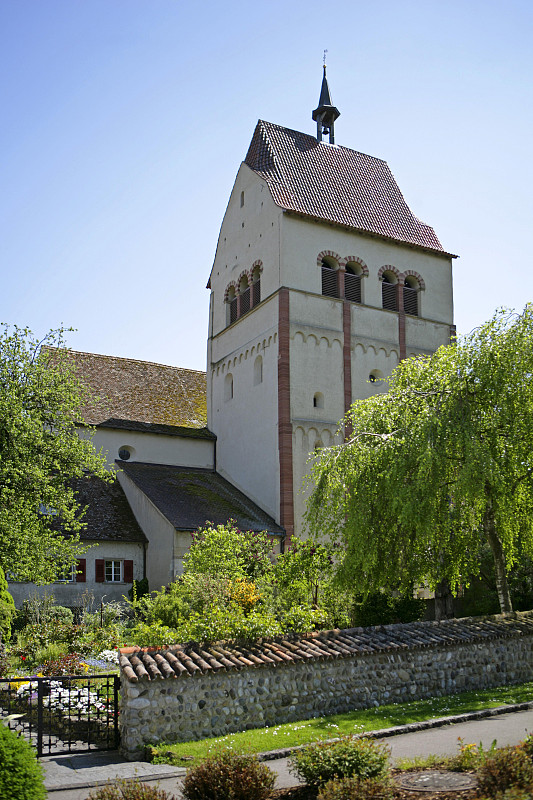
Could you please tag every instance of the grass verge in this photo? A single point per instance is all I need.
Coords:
(292, 734)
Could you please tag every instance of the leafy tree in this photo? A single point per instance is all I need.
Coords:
(225, 551)
(41, 453)
(437, 465)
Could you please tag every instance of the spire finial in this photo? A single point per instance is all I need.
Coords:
(326, 113)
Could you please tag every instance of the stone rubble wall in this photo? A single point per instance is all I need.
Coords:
(216, 703)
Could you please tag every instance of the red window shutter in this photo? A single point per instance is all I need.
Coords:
(81, 570)
(99, 570)
(128, 571)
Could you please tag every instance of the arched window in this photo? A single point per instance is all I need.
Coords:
(352, 283)
(410, 296)
(228, 387)
(389, 291)
(244, 291)
(258, 370)
(330, 282)
(256, 285)
(231, 306)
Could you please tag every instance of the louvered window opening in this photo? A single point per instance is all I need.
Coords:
(245, 301)
(233, 310)
(410, 301)
(256, 288)
(352, 287)
(389, 296)
(330, 285)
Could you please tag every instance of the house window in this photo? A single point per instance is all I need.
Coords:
(330, 282)
(242, 199)
(389, 293)
(67, 573)
(410, 297)
(113, 571)
(352, 284)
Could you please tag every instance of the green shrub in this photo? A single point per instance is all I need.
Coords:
(381, 608)
(62, 615)
(21, 775)
(527, 745)
(471, 756)
(517, 793)
(347, 757)
(509, 766)
(7, 609)
(130, 790)
(357, 789)
(138, 589)
(229, 776)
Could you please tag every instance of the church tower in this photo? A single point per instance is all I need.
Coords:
(323, 280)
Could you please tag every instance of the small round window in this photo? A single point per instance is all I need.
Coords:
(124, 453)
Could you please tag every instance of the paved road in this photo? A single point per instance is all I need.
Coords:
(67, 777)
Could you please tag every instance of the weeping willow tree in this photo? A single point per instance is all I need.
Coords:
(437, 465)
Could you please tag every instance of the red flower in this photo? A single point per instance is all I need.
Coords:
(23, 658)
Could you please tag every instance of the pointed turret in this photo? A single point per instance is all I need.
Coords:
(326, 113)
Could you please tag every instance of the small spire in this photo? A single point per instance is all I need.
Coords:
(326, 113)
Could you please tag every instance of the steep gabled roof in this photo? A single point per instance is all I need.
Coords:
(336, 185)
(108, 516)
(141, 391)
(189, 497)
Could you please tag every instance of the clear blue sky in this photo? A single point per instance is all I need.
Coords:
(124, 123)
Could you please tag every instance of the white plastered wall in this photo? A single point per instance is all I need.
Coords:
(246, 423)
(157, 529)
(71, 594)
(317, 337)
(154, 448)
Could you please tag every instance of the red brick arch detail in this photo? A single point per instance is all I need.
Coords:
(331, 254)
(356, 260)
(414, 274)
(228, 287)
(389, 268)
(246, 273)
(257, 263)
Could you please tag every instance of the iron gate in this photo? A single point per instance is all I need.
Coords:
(67, 714)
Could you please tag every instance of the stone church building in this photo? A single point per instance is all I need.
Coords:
(323, 279)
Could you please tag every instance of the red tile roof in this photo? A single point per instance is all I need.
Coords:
(333, 184)
(153, 663)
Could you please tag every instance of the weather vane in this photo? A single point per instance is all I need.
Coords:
(324, 59)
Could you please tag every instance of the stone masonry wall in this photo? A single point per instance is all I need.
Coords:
(213, 703)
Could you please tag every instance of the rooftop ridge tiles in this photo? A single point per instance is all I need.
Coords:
(176, 664)
(164, 666)
(197, 658)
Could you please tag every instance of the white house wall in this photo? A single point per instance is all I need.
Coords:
(78, 594)
(154, 448)
(160, 566)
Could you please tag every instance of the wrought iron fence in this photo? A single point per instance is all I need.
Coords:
(67, 714)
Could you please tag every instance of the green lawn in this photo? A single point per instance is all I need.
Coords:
(295, 733)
